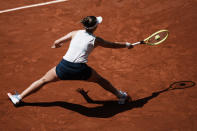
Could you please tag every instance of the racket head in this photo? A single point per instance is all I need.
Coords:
(182, 85)
(157, 37)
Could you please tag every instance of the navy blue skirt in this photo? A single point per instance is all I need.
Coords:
(66, 70)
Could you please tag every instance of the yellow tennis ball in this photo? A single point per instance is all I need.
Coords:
(157, 37)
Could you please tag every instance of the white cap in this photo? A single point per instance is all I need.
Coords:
(99, 19)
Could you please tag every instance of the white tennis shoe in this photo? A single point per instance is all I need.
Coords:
(14, 98)
(124, 97)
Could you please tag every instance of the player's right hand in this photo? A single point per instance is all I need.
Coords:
(142, 42)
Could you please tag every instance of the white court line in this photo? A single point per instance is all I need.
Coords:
(34, 5)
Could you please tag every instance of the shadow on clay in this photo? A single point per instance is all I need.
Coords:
(108, 108)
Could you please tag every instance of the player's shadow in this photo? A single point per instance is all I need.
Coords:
(107, 108)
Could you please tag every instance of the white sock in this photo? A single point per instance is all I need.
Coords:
(19, 96)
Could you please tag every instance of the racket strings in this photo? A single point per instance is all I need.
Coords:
(157, 37)
(160, 36)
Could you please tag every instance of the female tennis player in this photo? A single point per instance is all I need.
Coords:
(73, 65)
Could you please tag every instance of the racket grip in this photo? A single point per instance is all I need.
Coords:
(136, 43)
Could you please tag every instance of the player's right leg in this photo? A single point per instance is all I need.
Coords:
(50, 76)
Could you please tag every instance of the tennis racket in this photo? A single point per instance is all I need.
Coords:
(154, 39)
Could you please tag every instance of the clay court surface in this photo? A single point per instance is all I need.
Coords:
(27, 35)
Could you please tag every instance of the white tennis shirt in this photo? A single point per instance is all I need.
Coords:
(80, 47)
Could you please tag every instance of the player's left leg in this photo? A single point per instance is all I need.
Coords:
(95, 77)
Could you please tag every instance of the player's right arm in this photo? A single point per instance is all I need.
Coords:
(59, 42)
(107, 44)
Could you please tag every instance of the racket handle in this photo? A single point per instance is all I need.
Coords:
(136, 43)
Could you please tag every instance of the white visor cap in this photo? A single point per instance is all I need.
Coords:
(99, 19)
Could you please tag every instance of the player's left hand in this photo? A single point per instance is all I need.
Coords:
(56, 45)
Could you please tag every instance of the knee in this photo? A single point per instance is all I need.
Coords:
(100, 79)
(43, 80)
(96, 78)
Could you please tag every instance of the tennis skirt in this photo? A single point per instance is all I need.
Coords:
(66, 70)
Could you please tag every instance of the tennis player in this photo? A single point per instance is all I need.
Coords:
(73, 65)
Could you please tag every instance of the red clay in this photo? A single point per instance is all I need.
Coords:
(26, 36)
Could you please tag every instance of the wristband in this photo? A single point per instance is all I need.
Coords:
(142, 42)
(128, 44)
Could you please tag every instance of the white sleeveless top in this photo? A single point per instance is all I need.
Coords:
(80, 47)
